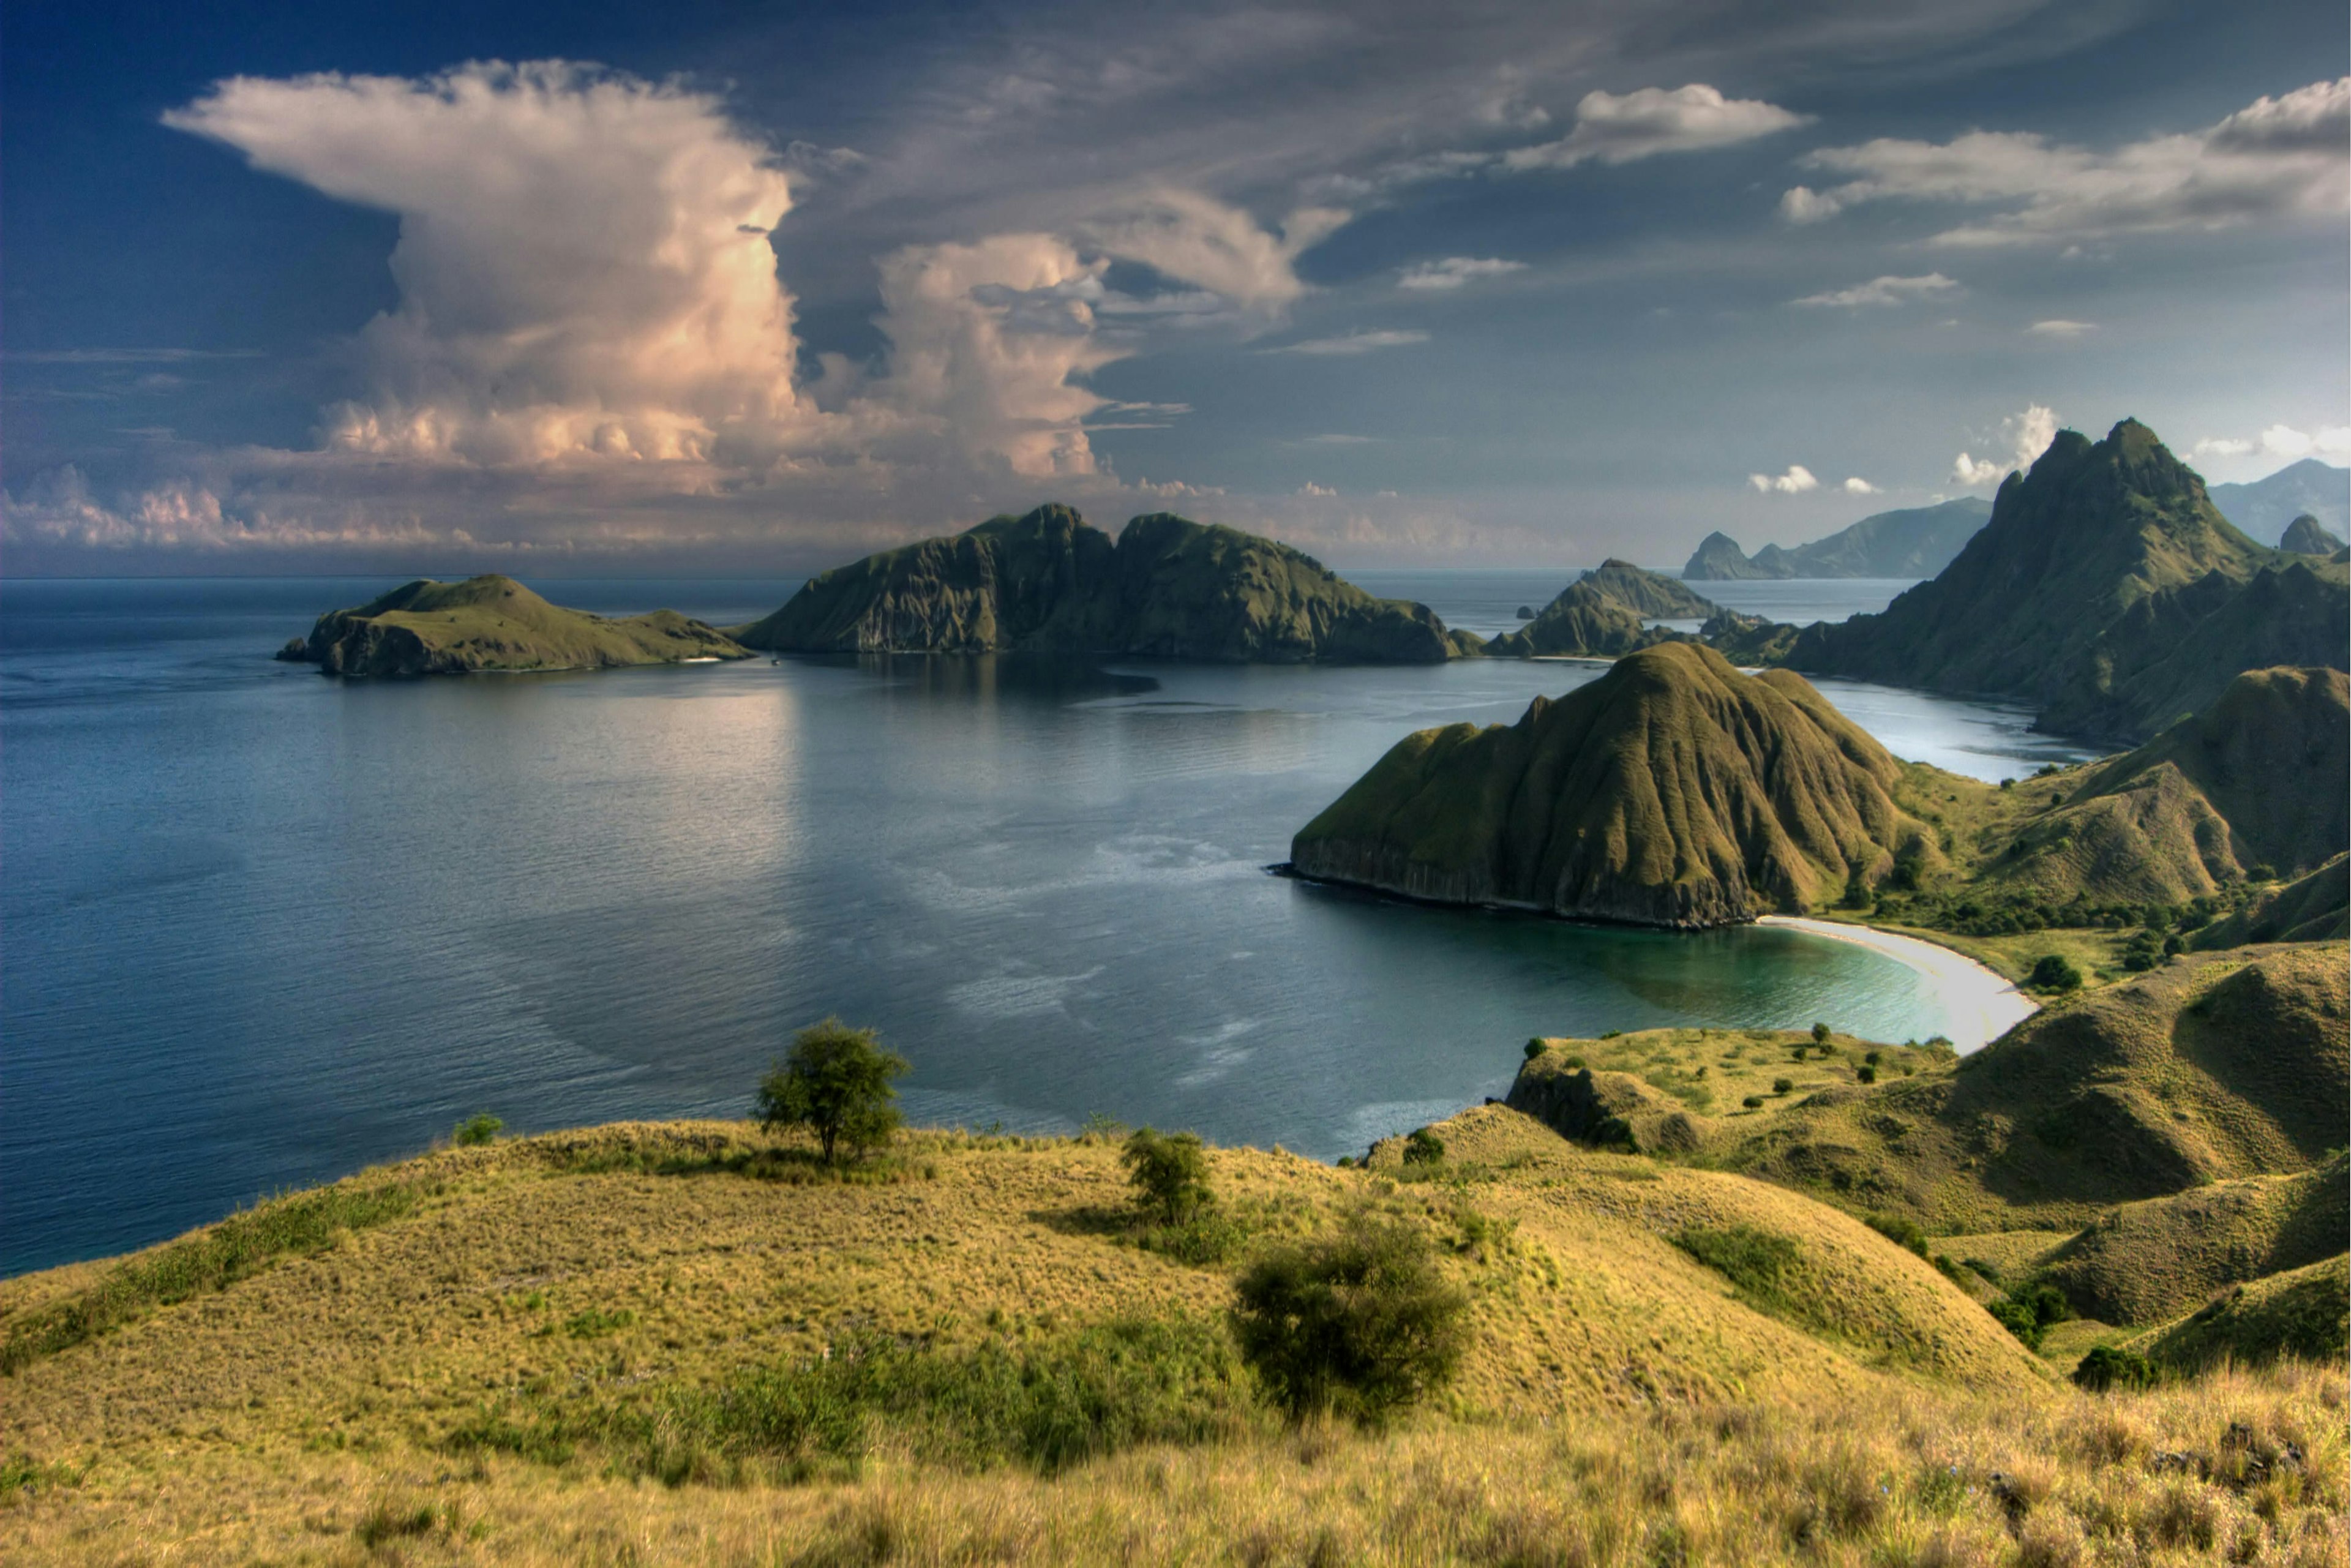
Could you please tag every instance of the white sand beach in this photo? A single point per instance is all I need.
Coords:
(1984, 1006)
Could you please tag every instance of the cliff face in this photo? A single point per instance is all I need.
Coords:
(2106, 591)
(1049, 581)
(1672, 791)
(493, 623)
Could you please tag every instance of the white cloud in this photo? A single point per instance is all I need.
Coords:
(1221, 248)
(2276, 159)
(1618, 129)
(1795, 482)
(1312, 488)
(1455, 270)
(2061, 328)
(1857, 485)
(2028, 433)
(1887, 290)
(1353, 343)
(2284, 441)
(2224, 446)
(583, 262)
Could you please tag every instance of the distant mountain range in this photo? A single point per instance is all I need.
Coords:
(1917, 541)
(2266, 507)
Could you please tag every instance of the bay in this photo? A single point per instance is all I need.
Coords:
(262, 927)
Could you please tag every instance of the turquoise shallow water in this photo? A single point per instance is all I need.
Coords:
(262, 927)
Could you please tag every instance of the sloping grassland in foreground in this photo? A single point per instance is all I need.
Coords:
(682, 1342)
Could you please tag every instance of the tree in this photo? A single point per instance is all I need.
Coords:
(1820, 1034)
(1358, 1322)
(1169, 1173)
(2055, 972)
(836, 1083)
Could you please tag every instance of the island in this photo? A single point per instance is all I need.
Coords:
(493, 623)
(1913, 542)
(1049, 581)
(1603, 613)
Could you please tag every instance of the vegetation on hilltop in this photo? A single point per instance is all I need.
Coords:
(1671, 791)
(1049, 582)
(1649, 593)
(2106, 591)
(1585, 622)
(493, 623)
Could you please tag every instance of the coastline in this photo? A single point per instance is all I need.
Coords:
(1984, 1004)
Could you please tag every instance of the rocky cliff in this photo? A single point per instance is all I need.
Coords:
(1049, 581)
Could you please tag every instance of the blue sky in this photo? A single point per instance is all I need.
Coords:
(570, 289)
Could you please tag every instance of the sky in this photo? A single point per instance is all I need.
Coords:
(585, 290)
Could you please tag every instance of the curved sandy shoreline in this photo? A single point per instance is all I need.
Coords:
(1984, 1005)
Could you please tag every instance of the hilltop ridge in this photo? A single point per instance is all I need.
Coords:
(493, 623)
(1049, 581)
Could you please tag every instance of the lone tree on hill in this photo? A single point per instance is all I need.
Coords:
(1169, 1173)
(1358, 1322)
(835, 1083)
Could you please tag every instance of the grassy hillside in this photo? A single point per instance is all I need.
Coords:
(1672, 791)
(2312, 908)
(681, 1342)
(2302, 1312)
(2106, 591)
(1049, 582)
(1584, 622)
(1650, 593)
(493, 622)
(2206, 1069)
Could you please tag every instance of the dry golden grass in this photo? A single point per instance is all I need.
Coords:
(2243, 1467)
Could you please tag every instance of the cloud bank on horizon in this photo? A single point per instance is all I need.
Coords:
(1400, 320)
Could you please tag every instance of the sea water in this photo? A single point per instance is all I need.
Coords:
(260, 927)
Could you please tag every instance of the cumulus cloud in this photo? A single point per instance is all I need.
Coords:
(2060, 329)
(1455, 271)
(1351, 343)
(1611, 128)
(2224, 446)
(2284, 441)
(583, 261)
(1795, 482)
(1221, 248)
(2276, 159)
(1312, 488)
(2027, 435)
(1857, 485)
(1886, 290)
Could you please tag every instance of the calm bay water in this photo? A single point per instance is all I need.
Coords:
(262, 927)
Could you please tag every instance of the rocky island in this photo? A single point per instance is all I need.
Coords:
(1052, 582)
(495, 623)
(1603, 614)
(1915, 541)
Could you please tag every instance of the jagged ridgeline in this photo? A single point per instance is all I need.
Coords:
(493, 623)
(2106, 590)
(1671, 791)
(1052, 582)
(1918, 541)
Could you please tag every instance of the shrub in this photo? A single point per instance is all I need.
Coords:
(1423, 1148)
(1756, 1262)
(2027, 1311)
(1820, 1034)
(1360, 1322)
(2107, 1366)
(476, 1131)
(1900, 1229)
(1534, 1048)
(1783, 1085)
(1169, 1174)
(1875, 1057)
(2055, 972)
(837, 1084)
(1866, 1073)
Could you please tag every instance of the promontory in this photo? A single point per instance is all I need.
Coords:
(493, 623)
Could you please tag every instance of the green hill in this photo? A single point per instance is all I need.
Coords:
(1051, 582)
(2312, 908)
(1671, 791)
(2307, 536)
(2303, 1312)
(2106, 591)
(493, 623)
(1915, 541)
(1646, 593)
(1584, 622)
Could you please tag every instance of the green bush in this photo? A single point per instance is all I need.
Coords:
(1783, 1085)
(1423, 1148)
(1169, 1174)
(1534, 1048)
(1756, 1262)
(476, 1131)
(1753, 1102)
(2055, 972)
(1866, 1073)
(1360, 1322)
(837, 1082)
(1900, 1229)
(2108, 1366)
(1820, 1034)
(2027, 1311)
